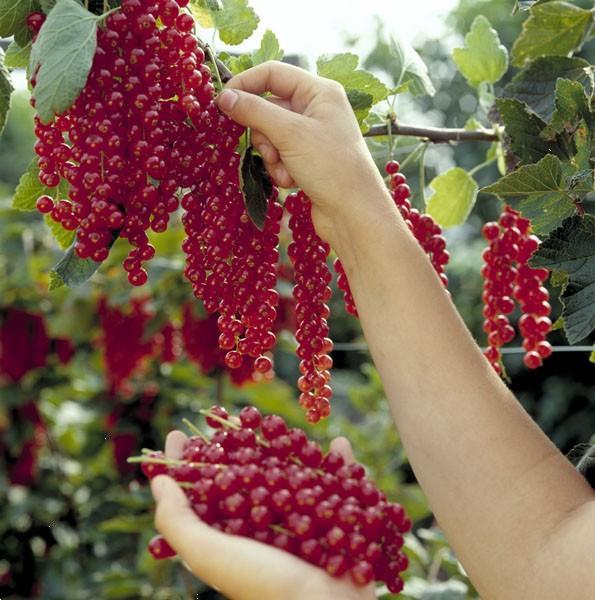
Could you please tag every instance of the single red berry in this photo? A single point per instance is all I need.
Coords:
(159, 548)
(45, 204)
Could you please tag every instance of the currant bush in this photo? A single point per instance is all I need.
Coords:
(257, 478)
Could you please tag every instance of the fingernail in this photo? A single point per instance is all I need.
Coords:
(158, 485)
(227, 100)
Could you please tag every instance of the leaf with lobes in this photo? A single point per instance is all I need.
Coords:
(455, 192)
(256, 186)
(571, 249)
(535, 85)
(269, 49)
(62, 56)
(523, 132)
(552, 29)
(410, 69)
(572, 107)
(13, 19)
(17, 57)
(541, 191)
(484, 58)
(524, 5)
(6, 89)
(363, 89)
(234, 20)
(28, 191)
(399, 60)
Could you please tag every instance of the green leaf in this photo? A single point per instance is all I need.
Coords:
(30, 188)
(571, 249)
(17, 57)
(269, 49)
(202, 14)
(484, 58)
(572, 107)
(63, 52)
(13, 19)
(234, 19)
(542, 193)
(61, 235)
(28, 191)
(238, 64)
(410, 69)
(524, 5)
(454, 197)
(6, 90)
(126, 524)
(47, 5)
(255, 185)
(552, 29)
(72, 270)
(523, 130)
(592, 357)
(535, 85)
(363, 89)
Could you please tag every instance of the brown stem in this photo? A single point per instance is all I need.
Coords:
(435, 135)
(224, 73)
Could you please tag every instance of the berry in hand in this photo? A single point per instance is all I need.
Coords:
(261, 480)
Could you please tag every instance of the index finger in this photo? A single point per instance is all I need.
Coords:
(283, 80)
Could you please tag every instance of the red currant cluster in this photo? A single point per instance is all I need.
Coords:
(200, 337)
(509, 278)
(25, 344)
(23, 465)
(123, 343)
(134, 136)
(308, 254)
(423, 227)
(232, 265)
(256, 478)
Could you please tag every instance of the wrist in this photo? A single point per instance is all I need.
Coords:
(367, 222)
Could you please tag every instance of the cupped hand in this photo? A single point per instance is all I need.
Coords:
(308, 137)
(241, 568)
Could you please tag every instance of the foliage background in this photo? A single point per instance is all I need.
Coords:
(83, 524)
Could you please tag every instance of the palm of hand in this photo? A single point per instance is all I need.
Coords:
(241, 568)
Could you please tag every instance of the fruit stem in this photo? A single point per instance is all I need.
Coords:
(281, 529)
(195, 430)
(224, 422)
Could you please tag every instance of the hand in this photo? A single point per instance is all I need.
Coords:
(308, 137)
(241, 568)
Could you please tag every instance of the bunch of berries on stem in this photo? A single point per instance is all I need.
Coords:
(508, 281)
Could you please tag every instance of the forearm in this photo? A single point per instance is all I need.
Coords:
(494, 481)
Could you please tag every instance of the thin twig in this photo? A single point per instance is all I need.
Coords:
(435, 135)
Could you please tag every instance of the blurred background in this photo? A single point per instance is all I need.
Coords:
(92, 375)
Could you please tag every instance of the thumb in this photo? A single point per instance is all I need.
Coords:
(343, 446)
(233, 564)
(258, 113)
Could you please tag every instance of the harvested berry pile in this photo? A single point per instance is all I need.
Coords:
(257, 478)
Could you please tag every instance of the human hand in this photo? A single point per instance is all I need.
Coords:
(241, 568)
(308, 137)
